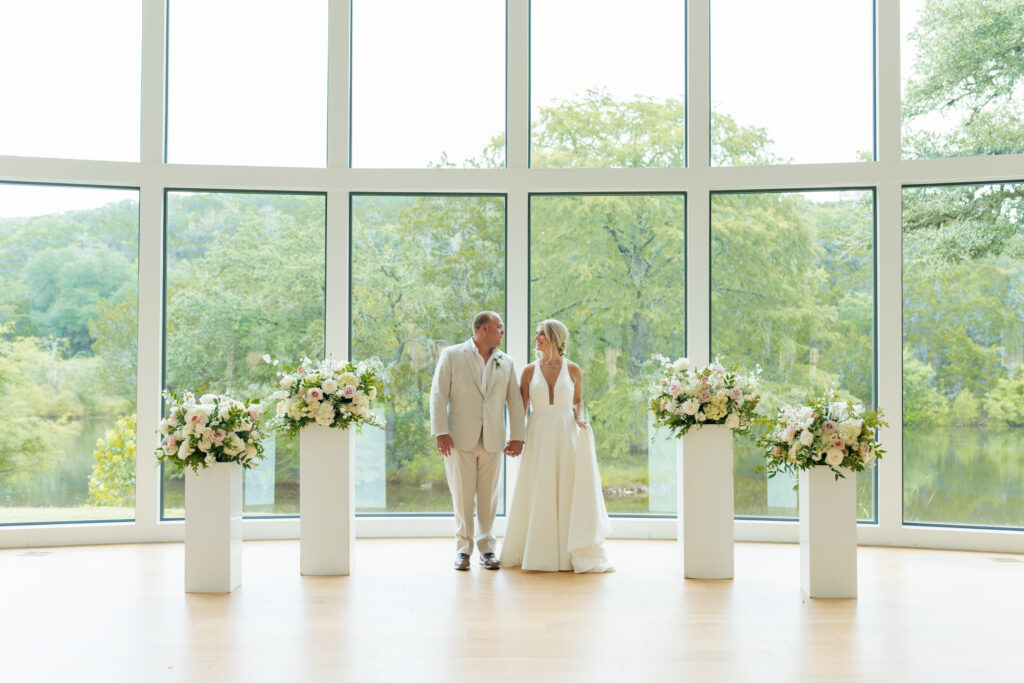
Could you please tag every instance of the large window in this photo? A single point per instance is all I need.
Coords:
(422, 267)
(613, 269)
(796, 76)
(70, 79)
(428, 83)
(792, 290)
(963, 355)
(68, 312)
(247, 82)
(607, 87)
(245, 278)
(963, 83)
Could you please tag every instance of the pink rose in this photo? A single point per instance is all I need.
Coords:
(349, 391)
(789, 433)
(838, 443)
(301, 369)
(704, 396)
(776, 451)
(217, 436)
(737, 394)
(865, 448)
(254, 413)
(171, 440)
(674, 388)
(315, 394)
(196, 419)
(829, 426)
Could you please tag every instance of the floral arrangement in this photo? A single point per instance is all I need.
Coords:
(214, 428)
(329, 393)
(826, 433)
(685, 397)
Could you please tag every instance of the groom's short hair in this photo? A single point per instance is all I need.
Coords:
(483, 318)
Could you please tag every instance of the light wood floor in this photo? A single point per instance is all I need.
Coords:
(119, 613)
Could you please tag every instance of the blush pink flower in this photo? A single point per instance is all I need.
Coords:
(838, 443)
(674, 388)
(217, 436)
(829, 426)
(737, 394)
(315, 394)
(349, 391)
(704, 396)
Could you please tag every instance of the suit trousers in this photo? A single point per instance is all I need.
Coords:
(474, 475)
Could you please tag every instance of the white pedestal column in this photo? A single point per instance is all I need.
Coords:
(213, 529)
(705, 502)
(327, 518)
(828, 533)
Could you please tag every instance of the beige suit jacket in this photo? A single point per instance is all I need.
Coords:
(459, 406)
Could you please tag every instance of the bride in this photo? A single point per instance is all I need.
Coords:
(557, 519)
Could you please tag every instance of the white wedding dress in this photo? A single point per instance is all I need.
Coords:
(557, 520)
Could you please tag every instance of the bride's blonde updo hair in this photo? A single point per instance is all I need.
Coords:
(557, 335)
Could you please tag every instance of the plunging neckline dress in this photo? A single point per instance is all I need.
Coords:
(557, 519)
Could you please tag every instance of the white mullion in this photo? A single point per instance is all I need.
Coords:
(697, 184)
(888, 269)
(339, 101)
(517, 84)
(517, 302)
(150, 322)
(889, 355)
(338, 264)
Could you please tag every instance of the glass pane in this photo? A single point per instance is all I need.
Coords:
(70, 79)
(610, 91)
(245, 277)
(422, 267)
(247, 82)
(428, 83)
(963, 83)
(792, 81)
(793, 290)
(69, 260)
(613, 268)
(963, 355)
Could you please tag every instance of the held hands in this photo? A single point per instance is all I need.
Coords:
(514, 448)
(445, 444)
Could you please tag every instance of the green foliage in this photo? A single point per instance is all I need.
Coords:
(1004, 403)
(970, 65)
(113, 474)
(30, 431)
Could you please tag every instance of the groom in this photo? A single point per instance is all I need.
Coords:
(473, 384)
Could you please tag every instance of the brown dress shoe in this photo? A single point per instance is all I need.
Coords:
(490, 561)
(462, 562)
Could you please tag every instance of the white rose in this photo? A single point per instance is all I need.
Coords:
(834, 457)
(210, 459)
(681, 364)
(225, 411)
(329, 386)
(287, 382)
(816, 457)
(690, 407)
(733, 421)
(165, 427)
(348, 378)
(325, 415)
(282, 409)
(870, 460)
(205, 445)
(250, 451)
(849, 431)
(806, 437)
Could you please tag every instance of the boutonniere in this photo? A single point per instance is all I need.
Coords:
(498, 358)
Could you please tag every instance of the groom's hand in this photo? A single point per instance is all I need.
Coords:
(514, 448)
(445, 444)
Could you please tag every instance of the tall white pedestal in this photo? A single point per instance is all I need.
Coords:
(327, 518)
(705, 502)
(828, 533)
(213, 529)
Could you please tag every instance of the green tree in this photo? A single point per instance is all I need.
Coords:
(113, 473)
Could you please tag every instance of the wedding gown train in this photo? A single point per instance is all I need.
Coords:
(557, 519)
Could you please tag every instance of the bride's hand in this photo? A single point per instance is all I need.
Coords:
(581, 423)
